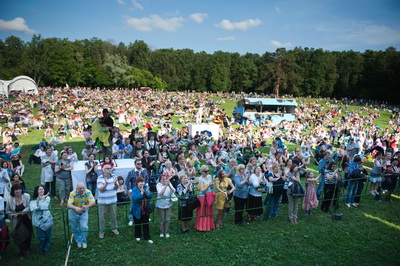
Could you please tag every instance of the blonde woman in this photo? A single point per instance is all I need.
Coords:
(222, 183)
(205, 212)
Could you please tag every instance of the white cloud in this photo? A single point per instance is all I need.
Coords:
(121, 2)
(17, 24)
(155, 22)
(279, 44)
(136, 4)
(361, 32)
(242, 25)
(277, 9)
(230, 38)
(198, 17)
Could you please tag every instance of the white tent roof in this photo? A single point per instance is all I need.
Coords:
(20, 83)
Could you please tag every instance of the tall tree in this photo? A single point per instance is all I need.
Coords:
(279, 71)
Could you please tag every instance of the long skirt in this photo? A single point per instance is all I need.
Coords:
(205, 216)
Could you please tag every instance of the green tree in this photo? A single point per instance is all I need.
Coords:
(279, 71)
(139, 55)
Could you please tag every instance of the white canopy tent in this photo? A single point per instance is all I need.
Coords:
(21, 83)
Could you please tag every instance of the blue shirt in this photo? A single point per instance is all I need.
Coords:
(241, 191)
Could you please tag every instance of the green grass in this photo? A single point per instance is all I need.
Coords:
(368, 235)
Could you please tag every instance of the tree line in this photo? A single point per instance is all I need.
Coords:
(300, 71)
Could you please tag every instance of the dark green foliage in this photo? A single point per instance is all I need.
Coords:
(300, 72)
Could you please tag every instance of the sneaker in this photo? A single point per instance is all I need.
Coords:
(138, 239)
(115, 231)
(348, 205)
(79, 245)
(84, 245)
(101, 235)
(161, 235)
(130, 223)
(7, 221)
(150, 241)
(354, 205)
(166, 235)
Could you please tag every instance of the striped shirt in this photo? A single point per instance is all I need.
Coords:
(109, 194)
(80, 200)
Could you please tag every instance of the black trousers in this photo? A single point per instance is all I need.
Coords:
(360, 188)
(51, 186)
(142, 224)
(240, 205)
(33, 158)
(329, 191)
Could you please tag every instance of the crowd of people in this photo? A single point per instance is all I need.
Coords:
(196, 171)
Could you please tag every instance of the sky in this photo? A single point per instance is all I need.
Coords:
(252, 26)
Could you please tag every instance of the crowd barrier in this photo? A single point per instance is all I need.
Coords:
(62, 228)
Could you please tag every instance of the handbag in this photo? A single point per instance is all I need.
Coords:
(192, 203)
(46, 224)
(228, 203)
(297, 190)
(149, 207)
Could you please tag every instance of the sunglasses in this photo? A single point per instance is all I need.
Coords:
(107, 168)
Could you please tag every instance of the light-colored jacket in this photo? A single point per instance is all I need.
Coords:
(40, 210)
(11, 205)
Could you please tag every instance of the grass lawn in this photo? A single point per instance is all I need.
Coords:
(368, 235)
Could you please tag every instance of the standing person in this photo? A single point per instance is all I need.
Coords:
(148, 163)
(79, 202)
(4, 180)
(255, 197)
(222, 183)
(185, 190)
(91, 173)
(107, 185)
(152, 147)
(310, 200)
(321, 169)
(240, 195)
(376, 173)
(63, 170)
(165, 191)
(278, 180)
(41, 218)
(138, 171)
(48, 161)
(293, 202)
(140, 196)
(354, 175)
(205, 212)
(330, 189)
(107, 121)
(18, 208)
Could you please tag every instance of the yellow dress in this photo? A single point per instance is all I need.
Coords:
(221, 198)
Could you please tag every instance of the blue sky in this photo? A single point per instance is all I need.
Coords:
(232, 26)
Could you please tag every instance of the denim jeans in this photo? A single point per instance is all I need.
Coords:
(79, 225)
(273, 204)
(92, 188)
(44, 238)
(351, 191)
(320, 186)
